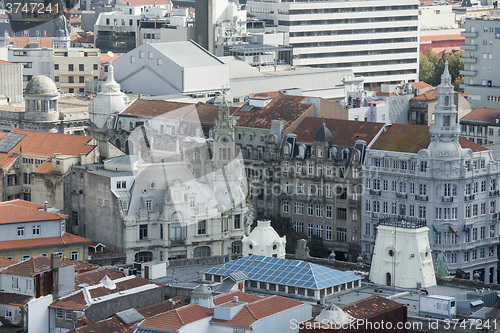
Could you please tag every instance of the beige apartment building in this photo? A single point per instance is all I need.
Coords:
(73, 66)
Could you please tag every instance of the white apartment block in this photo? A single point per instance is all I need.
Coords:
(377, 39)
(447, 183)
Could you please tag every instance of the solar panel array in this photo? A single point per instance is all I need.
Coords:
(9, 141)
(294, 273)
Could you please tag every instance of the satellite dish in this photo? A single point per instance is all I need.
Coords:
(111, 54)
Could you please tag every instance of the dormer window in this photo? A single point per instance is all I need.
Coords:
(320, 153)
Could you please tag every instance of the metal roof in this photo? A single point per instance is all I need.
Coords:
(294, 273)
(9, 141)
(130, 316)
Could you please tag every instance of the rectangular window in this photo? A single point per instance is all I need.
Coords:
(202, 227)
(81, 79)
(149, 205)
(20, 231)
(328, 211)
(74, 255)
(299, 227)
(319, 230)
(328, 232)
(8, 313)
(286, 207)
(310, 229)
(70, 67)
(341, 214)
(60, 313)
(310, 209)
(15, 283)
(299, 208)
(81, 67)
(143, 231)
(36, 230)
(319, 210)
(237, 221)
(341, 234)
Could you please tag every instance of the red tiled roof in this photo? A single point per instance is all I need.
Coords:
(379, 92)
(14, 299)
(44, 144)
(16, 214)
(45, 167)
(411, 138)
(24, 42)
(34, 266)
(371, 306)
(83, 39)
(152, 108)
(106, 58)
(45, 242)
(112, 324)
(430, 95)
(4, 262)
(23, 204)
(169, 304)
(257, 308)
(485, 115)
(345, 132)
(95, 276)
(421, 85)
(283, 107)
(175, 319)
(3, 62)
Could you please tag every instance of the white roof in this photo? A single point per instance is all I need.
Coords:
(187, 54)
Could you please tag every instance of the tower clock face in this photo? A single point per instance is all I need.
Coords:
(224, 140)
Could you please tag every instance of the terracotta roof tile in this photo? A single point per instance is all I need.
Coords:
(106, 58)
(371, 306)
(23, 204)
(260, 309)
(175, 319)
(430, 95)
(16, 214)
(24, 42)
(379, 92)
(4, 262)
(45, 167)
(486, 115)
(110, 325)
(283, 107)
(45, 242)
(33, 266)
(3, 62)
(14, 299)
(169, 304)
(345, 132)
(412, 138)
(421, 85)
(95, 276)
(83, 39)
(152, 108)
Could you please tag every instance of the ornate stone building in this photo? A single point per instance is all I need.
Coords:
(431, 175)
(177, 195)
(321, 178)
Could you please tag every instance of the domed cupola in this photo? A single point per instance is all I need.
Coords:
(323, 134)
(264, 241)
(41, 99)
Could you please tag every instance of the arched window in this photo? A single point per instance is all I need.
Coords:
(345, 154)
(144, 256)
(202, 252)
(333, 153)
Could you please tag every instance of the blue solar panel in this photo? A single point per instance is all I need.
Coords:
(283, 271)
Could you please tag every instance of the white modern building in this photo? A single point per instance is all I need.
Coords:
(377, 39)
(481, 65)
(171, 68)
(36, 61)
(443, 181)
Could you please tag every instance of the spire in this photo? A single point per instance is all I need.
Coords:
(110, 86)
(445, 77)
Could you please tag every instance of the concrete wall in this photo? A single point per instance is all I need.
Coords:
(38, 314)
(106, 309)
(280, 322)
(11, 85)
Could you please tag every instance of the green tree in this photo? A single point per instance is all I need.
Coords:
(431, 68)
(316, 247)
(284, 227)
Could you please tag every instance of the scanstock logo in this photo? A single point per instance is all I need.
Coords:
(177, 168)
(25, 15)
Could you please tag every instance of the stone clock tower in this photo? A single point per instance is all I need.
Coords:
(445, 129)
(224, 148)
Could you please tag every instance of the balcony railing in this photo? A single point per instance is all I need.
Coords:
(420, 197)
(402, 221)
(375, 192)
(494, 193)
(447, 199)
(177, 242)
(401, 195)
(469, 197)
